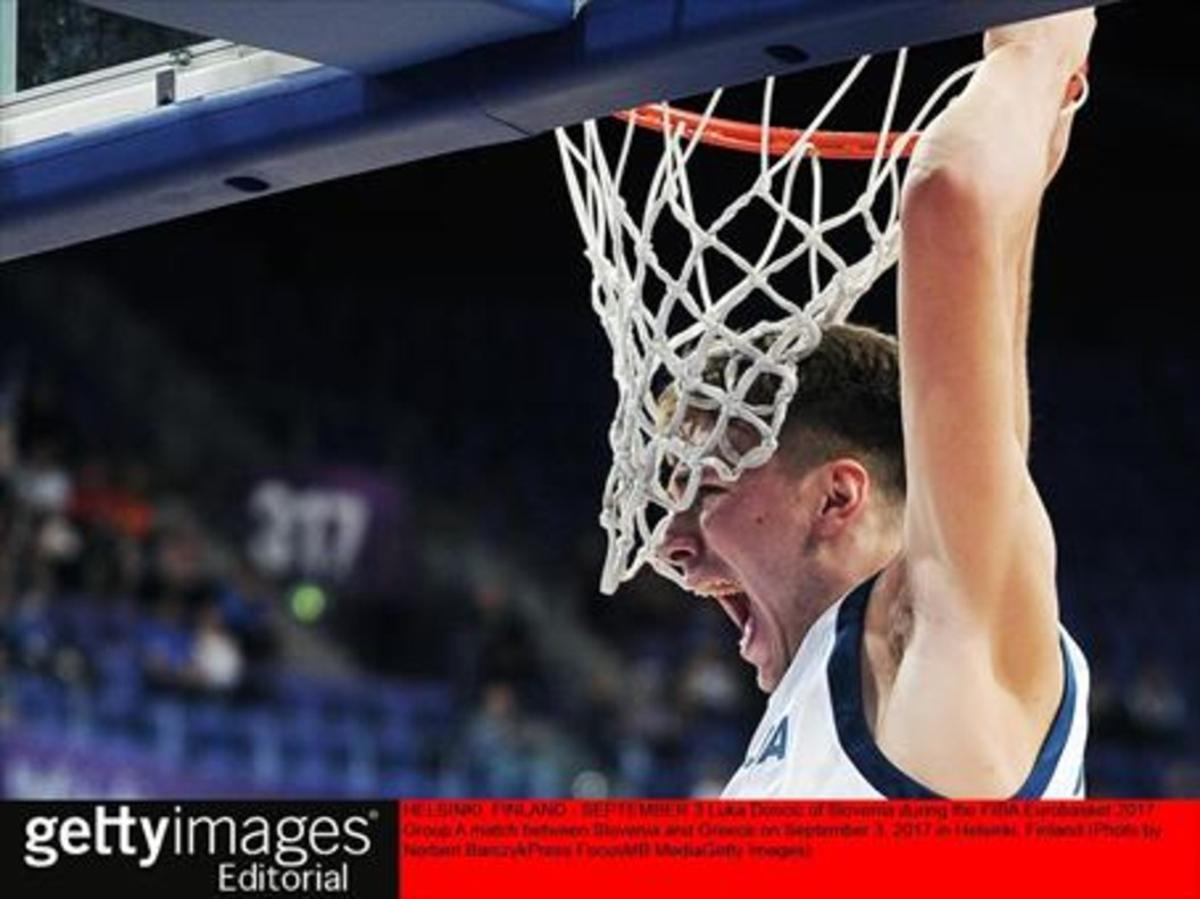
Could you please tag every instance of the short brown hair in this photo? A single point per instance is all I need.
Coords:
(848, 403)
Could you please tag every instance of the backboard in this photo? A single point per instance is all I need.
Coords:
(290, 94)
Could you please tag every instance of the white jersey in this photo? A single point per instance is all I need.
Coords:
(813, 741)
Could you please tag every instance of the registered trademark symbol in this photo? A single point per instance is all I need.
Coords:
(373, 814)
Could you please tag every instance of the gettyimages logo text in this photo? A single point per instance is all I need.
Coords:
(245, 849)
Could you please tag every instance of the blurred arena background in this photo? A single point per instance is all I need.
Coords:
(299, 497)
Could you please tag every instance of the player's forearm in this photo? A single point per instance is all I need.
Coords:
(978, 179)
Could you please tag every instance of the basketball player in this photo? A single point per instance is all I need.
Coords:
(891, 568)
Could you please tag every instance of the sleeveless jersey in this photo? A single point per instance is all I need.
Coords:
(813, 741)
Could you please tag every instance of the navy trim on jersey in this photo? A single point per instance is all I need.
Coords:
(845, 690)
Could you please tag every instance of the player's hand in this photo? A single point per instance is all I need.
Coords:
(1067, 37)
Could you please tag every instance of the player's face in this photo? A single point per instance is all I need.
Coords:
(745, 544)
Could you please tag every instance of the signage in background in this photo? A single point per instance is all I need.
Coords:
(344, 527)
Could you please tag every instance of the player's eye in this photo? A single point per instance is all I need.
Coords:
(676, 479)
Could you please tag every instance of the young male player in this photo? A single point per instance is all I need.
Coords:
(891, 568)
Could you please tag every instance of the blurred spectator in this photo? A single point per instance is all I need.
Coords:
(166, 645)
(30, 630)
(651, 729)
(711, 782)
(130, 567)
(245, 599)
(42, 484)
(180, 561)
(58, 541)
(498, 646)
(510, 753)
(1157, 706)
(97, 500)
(649, 716)
(216, 663)
(495, 761)
(709, 682)
(1107, 712)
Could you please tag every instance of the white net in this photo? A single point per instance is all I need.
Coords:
(715, 330)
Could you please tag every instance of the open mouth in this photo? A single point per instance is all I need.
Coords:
(738, 607)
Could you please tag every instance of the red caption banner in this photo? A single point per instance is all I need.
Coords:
(666, 849)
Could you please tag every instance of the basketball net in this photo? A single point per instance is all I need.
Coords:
(674, 329)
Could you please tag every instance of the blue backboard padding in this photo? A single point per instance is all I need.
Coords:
(362, 35)
(328, 123)
(306, 128)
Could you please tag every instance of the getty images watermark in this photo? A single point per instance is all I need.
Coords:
(252, 853)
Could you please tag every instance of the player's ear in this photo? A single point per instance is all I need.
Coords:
(845, 488)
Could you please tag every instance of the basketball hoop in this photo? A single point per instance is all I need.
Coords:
(672, 326)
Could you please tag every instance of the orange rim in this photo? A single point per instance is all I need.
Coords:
(747, 137)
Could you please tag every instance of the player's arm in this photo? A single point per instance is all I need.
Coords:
(1024, 293)
(979, 545)
(1024, 289)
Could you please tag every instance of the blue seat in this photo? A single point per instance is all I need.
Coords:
(40, 701)
(408, 783)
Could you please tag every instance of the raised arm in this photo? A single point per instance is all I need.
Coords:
(978, 542)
